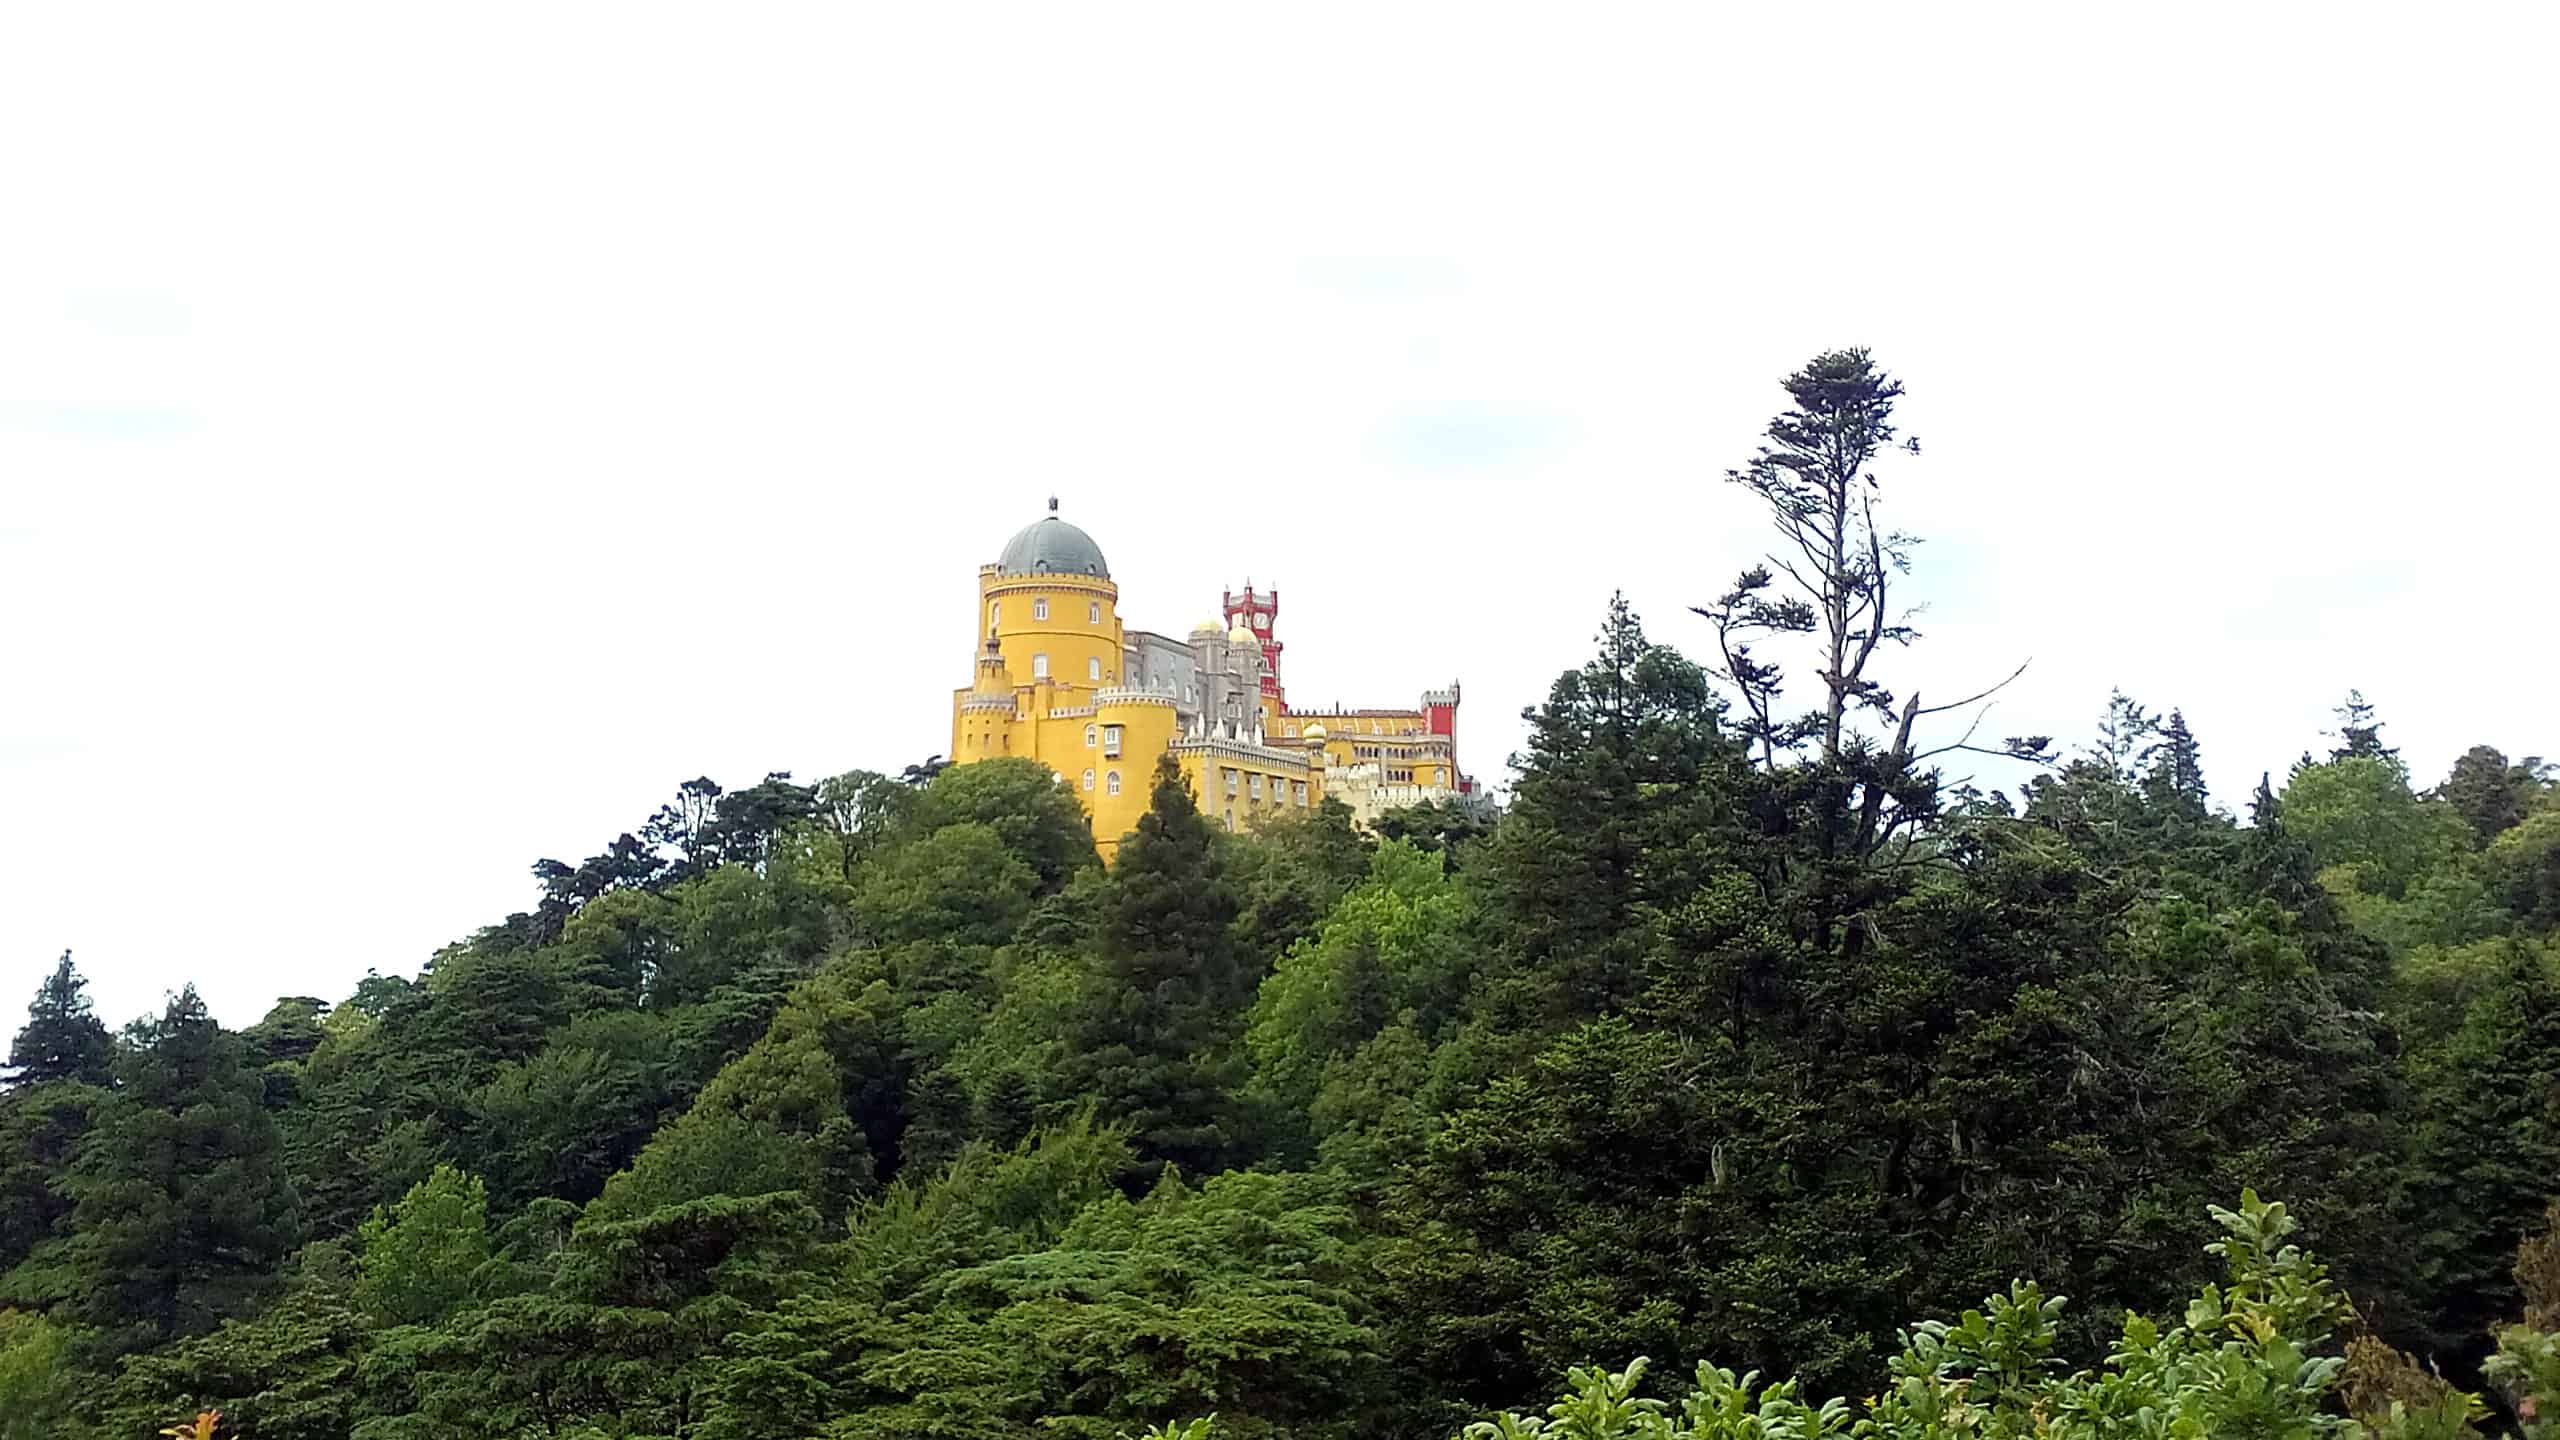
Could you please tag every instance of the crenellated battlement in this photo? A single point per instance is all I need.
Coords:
(1105, 699)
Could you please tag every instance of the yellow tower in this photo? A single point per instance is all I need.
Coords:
(1048, 685)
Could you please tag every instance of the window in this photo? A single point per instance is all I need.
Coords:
(1040, 608)
(1088, 779)
(1088, 744)
(1231, 782)
(1040, 667)
(1093, 612)
(1111, 782)
(1253, 785)
(1093, 667)
(1110, 739)
(995, 614)
(1299, 791)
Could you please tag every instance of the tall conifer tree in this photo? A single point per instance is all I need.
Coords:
(2488, 1148)
(62, 1039)
(2177, 764)
(181, 1206)
(58, 1063)
(1161, 1048)
(2360, 730)
(1628, 792)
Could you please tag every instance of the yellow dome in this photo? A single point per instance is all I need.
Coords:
(1207, 627)
(1241, 636)
(1315, 731)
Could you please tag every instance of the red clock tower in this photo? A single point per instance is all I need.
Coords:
(1257, 611)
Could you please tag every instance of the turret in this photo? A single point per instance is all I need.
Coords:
(993, 678)
(1257, 614)
(1440, 717)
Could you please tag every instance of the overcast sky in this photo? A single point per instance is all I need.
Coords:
(424, 441)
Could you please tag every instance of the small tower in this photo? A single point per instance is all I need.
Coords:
(1258, 612)
(1440, 717)
(993, 677)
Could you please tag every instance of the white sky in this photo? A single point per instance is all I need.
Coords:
(428, 434)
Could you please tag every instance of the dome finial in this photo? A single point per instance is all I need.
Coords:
(1053, 504)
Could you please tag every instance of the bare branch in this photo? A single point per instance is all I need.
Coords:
(1995, 754)
(1985, 695)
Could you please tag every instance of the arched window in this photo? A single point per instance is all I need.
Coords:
(1093, 611)
(995, 614)
(1040, 608)
(1112, 782)
(1088, 744)
(1093, 667)
(1040, 666)
(1088, 780)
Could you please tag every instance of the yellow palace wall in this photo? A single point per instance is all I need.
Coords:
(1401, 739)
(1213, 770)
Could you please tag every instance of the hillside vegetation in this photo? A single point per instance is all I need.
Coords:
(1749, 1034)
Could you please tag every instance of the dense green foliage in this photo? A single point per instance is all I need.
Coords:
(879, 1107)
(2244, 1358)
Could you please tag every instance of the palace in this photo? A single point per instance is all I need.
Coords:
(1061, 680)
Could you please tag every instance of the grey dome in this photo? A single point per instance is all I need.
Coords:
(1052, 547)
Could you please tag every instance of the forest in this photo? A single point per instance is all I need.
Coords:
(1753, 1073)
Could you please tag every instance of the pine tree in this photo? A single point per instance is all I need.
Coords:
(2177, 765)
(2275, 861)
(1161, 1048)
(41, 1127)
(2488, 1147)
(62, 1039)
(181, 1208)
(2129, 738)
(2265, 810)
(1006, 1111)
(1171, 908)
(1631, 790)
(2359, 731)
(62, 1059)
